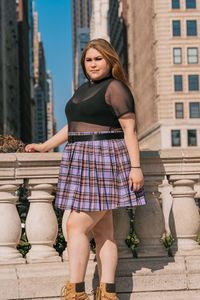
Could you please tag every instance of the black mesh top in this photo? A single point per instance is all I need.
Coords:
(97, 105)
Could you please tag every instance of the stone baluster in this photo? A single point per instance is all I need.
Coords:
(122, 226)
(10, 226)
(64, 230)
(185, 219)
(41, 224)
(149, 221)
(165, 189)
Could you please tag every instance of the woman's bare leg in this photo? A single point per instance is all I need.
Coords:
(106, 248)
(78, 226)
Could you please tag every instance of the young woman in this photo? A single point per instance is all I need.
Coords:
(100, 168)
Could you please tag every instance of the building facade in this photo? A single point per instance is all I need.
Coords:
(50, 106)
(81, 16)
(9, 70)
(164, 71)
(99, 20)
(25, 50)
(41, 98)
(40, 85)
(117, 20)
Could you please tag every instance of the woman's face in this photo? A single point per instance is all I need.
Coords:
(95, 64)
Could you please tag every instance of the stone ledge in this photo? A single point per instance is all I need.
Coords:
(138, 279)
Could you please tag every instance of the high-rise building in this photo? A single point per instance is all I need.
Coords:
(25, 50)
(9, 70)
(99, 20)
(164, 69)
(41, 99)
(31, 62)
(50, 107)
(118, 29)
(40, 85)
(36, 37)
(81, 14)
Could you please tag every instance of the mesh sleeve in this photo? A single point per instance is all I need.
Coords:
(120, 98)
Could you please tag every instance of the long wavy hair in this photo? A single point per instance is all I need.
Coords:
(110, 55)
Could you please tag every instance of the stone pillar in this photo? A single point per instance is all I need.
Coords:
(185, 219)
(149, 221)
(41, 225)
(122, 226)
(10, 226)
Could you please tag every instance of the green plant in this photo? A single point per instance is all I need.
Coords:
(22, 207)
(60, 243)
(132, 241)
(167, 241)
(24, 246)
(198, 238)
(93, 245)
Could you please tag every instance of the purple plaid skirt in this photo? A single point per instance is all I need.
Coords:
(94, 176)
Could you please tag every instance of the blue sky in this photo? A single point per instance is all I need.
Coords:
(55, 26)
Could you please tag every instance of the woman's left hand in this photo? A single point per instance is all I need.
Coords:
(136, 179)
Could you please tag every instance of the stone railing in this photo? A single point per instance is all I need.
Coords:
(172, 180)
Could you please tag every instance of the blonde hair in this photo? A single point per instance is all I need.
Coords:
(110, 55)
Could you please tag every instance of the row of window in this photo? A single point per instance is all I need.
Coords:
(191, 28)
(188, 4)
(192, 55)
(193, 83)
(176, 137)
(194, 110)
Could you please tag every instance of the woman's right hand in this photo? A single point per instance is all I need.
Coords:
(34, 148)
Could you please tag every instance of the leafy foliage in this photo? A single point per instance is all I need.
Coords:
(198, 238)
(132, 241)
(167, 241)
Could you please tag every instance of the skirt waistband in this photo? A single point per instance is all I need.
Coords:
(95, 137)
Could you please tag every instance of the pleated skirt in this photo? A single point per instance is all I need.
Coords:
(94, 176)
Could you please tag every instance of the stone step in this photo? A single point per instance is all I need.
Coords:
(172, 295)
(176, 278)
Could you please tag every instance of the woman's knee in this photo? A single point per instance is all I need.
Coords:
(103, 232)
(75, 226)
(103, 235)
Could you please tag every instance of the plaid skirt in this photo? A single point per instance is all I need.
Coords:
(94, 176)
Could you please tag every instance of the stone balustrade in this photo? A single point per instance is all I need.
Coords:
(172, 180)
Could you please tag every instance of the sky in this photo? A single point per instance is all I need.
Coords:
(55, 26)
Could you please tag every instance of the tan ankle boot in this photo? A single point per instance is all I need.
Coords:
(68, 292)
(101, 293)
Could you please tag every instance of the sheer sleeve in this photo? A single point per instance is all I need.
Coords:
(120, 98)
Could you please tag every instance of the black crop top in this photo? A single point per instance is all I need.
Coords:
(97, 105)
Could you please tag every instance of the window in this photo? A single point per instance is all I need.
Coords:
(176, 25)
(176, 138)
(175, 4)
(177, 55)
(191, 27)
(190, 3)
(192, 137)
(179, 110)
(193, 82)
(192, 55)
(178, 83)
(194, 109)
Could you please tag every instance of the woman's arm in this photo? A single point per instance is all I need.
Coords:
(59, 138)
(127, 122)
